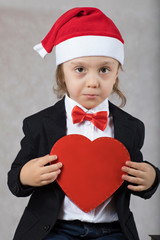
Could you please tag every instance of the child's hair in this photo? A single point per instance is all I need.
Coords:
(61, 86)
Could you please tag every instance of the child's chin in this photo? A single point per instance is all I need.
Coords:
(90, 105)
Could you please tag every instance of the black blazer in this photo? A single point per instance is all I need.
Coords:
(41, 131)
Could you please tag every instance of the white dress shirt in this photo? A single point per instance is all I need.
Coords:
(105, 212)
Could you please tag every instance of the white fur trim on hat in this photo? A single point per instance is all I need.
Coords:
(40, 49)
(89, 46)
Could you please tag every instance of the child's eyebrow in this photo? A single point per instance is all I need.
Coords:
(106, 63)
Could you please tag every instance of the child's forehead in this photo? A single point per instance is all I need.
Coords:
(98, 60)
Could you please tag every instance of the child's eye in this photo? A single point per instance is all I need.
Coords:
(104, 70)
(79, 69)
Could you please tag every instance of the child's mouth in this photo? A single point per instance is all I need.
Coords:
(91, 96)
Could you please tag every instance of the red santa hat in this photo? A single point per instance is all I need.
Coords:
(80, 32)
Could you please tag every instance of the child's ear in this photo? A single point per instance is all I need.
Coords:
(117, 72)
(117, 75)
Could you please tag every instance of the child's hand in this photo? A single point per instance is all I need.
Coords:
(142, 174)
(35, 173)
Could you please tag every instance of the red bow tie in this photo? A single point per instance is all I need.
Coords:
(99, 119)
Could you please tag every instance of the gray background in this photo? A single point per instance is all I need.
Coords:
(26, 85)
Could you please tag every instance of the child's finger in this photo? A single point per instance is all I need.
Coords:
(132, 171)
(52, 167)
(136, 165)
(134, 180)
(138, 188)
(50, 176)
(47, 159)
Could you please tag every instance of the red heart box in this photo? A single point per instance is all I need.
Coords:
(91, 170)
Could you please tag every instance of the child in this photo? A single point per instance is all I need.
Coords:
(89, 53)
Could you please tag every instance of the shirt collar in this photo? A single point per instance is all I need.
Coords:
(70, 104)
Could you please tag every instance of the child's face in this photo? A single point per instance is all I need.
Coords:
(90, 80)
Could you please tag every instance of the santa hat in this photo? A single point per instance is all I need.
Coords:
(81, 32)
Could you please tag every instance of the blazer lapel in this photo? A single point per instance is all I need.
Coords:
(123, 129)
(55, 123)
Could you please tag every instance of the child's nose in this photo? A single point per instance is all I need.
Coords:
(92, 81)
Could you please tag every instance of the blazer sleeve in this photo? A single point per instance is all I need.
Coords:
(138, 157)
(26, 153)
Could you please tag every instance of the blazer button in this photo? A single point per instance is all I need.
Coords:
(46, 228)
